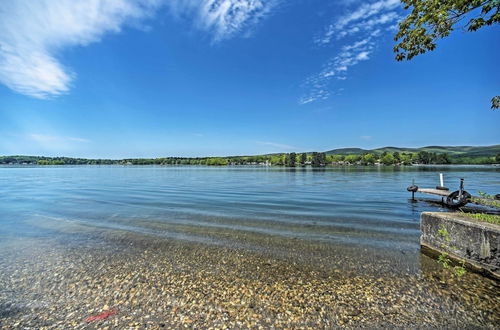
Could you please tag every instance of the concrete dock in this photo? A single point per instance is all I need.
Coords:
(463, 239)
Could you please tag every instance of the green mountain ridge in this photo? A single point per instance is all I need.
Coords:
(459, 151)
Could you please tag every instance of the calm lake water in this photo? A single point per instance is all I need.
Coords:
(365, 207)
(149, 240)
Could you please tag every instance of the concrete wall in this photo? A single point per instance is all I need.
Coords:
(476, 242)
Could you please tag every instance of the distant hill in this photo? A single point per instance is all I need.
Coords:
(458, 151)
(348, 151)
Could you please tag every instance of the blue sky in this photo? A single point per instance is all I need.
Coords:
(153, 78)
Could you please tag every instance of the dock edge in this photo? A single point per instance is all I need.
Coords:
(468, 240)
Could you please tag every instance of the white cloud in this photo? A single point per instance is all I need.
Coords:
(34, 32)
(42, 138)
(318, 85)
(366, 137)
(224, 18)
(363, 56)
(364, 19)
(357, 44)
(362, 26)
(366, 11)
(318, 92)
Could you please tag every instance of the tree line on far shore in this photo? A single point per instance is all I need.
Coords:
(318, 159)
(314, 159)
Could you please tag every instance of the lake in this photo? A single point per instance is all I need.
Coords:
(360, 206)
(353, 220)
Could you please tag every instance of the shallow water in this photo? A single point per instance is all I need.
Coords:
(358, 223)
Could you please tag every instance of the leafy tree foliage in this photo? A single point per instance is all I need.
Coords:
(337, 158)
(290, 159)
(431, 20)
(424, 157)
(276, 160)
(50, 162)
(388, 159)
(352, 159)
(495, 102)
(369, 159)
(406, 158)
(318, 159)
(216, 161)
(303, 159)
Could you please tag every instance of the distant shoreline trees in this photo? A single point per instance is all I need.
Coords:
(314, 159)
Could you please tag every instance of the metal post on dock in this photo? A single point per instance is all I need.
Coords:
(461, 188)
(413, 191)
(413, 188)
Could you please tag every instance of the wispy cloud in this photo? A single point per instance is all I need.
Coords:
(224, 18)
(55, 143)
(42, 138)
(363, 18)
(366, 137)
(362, 27)
(33, 33)
(318, 85)
(277, 145)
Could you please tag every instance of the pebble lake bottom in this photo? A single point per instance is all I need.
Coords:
(197, 247)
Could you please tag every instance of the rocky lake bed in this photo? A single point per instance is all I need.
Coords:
(153, 282)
